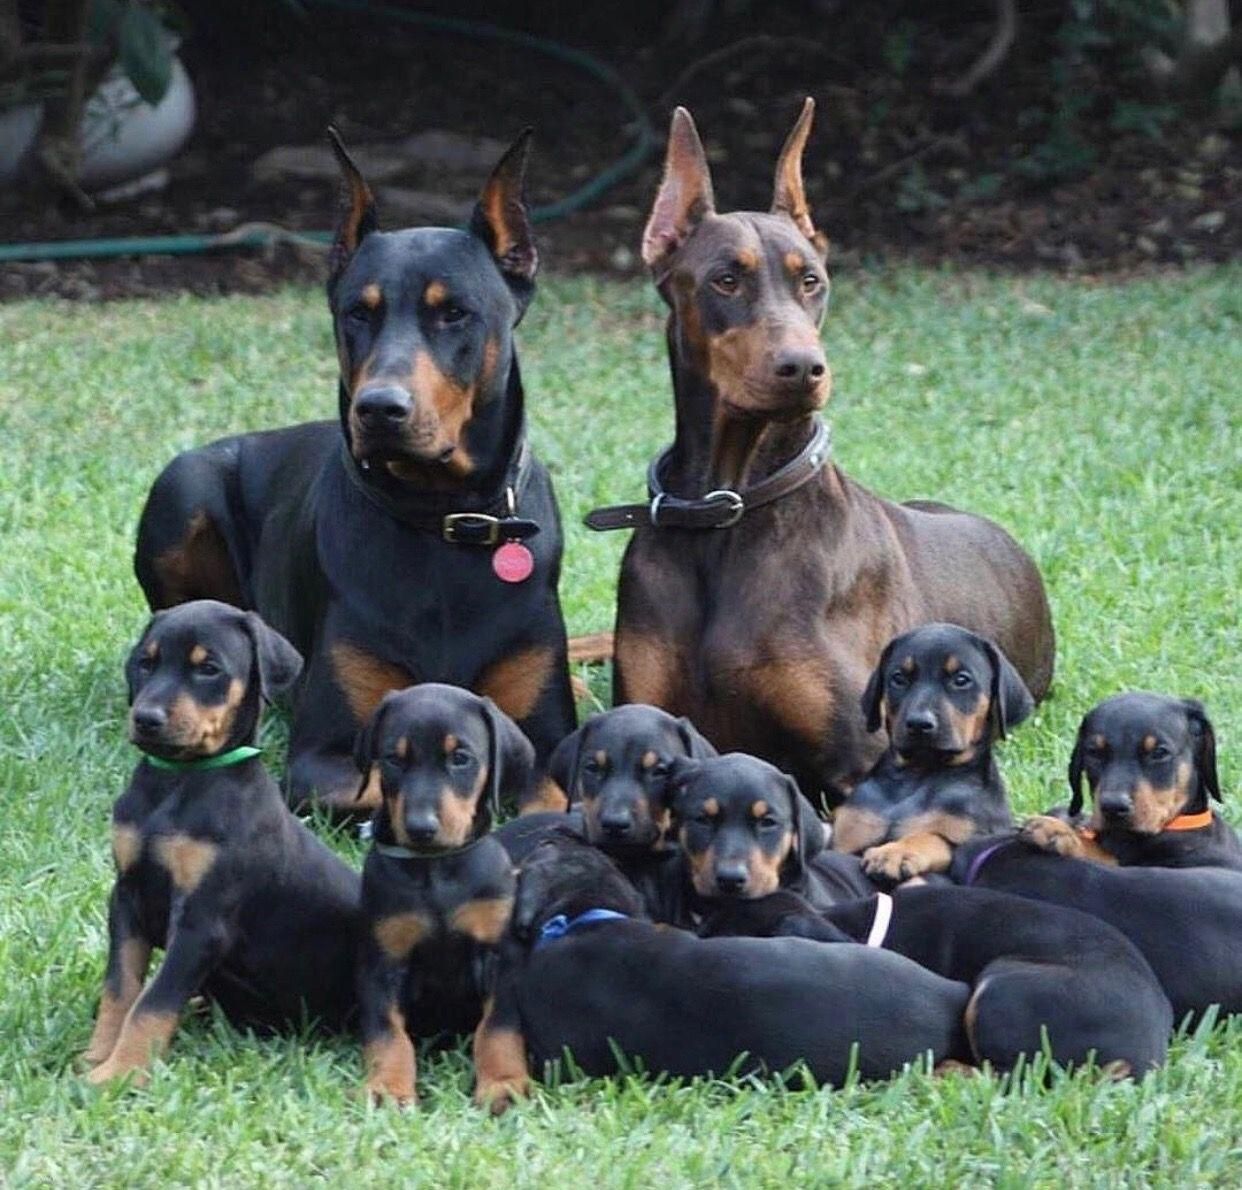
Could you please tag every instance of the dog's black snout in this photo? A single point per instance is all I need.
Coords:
(1114, 805)
(384, 403)
(148, 719)
(616, 823)
(730, 878)
(920, 722)
(423, 828)
(800, 365)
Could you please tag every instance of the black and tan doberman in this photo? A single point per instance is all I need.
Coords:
(1040, 975)
(1186, 922)
(762, 583)
(416, 540)
(582, 973)
(1150, 765)
(437, 887)
(251, 909)
(745, 831)
(943, 696)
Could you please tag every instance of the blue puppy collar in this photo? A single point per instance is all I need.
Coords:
(560, 925)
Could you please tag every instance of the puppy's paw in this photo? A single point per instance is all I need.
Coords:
(498, 1095)
(895, 861)
(1052, 834)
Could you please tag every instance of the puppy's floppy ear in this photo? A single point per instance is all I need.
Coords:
(502, 222)
(367, 740)
(358, 218)
(511, 758)
(681, 772)
(873, 695)
(810, 838)
(1011, 701)
(697, 746)
(277, 662)
(564, 765)
(1075, 771)
(1204, 735)
(136, 654)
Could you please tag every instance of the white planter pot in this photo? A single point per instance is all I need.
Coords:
(122, 137)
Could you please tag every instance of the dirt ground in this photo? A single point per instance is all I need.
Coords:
(895, 169)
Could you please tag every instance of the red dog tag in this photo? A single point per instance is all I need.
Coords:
(513, 562)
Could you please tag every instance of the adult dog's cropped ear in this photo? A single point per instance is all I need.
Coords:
(511, 759)
(685, 196)
(502, 222)
(277, 662)
(697, 746)
(873, 695)
(789, 194)
(1204, 736)
(1075, 771)
(564, 765)
(358, 215)
(1011, 701)
(136, 655)
(810, 838)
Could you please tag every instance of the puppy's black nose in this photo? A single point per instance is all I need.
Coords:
(731, 879)
(617, 823)
(1114, 805)
(920, 722)
(422, 830)
(383, 405)
(148, 719)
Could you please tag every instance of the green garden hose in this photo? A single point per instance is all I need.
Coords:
(645, 142)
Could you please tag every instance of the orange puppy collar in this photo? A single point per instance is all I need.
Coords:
(1183, 822)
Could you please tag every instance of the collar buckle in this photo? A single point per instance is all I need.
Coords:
(471, 528)
(732, 500)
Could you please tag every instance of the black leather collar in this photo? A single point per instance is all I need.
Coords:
(482, 520)
(720, 509)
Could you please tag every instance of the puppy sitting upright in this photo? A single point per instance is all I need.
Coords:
(437, 888)
(944, 695)
(252, 910)
(1150, 764)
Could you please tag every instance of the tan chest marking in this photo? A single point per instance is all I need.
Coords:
(484, 920)
(515, 683)
(188, 860)
(126, 846)
(400, 933)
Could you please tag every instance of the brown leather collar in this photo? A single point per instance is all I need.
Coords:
(720, 509)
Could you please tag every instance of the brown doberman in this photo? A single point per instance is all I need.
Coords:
(762, 583)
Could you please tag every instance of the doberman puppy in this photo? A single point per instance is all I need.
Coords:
(582, 973)
(761, 583)
(616, 771)
(1150, 764)
(943, 695)
(436, 887)
(250, 908)
(419, 539)
(1035, 970)
(1187, 923)
(745, 831)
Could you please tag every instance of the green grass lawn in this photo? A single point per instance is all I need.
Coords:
(1100, 423)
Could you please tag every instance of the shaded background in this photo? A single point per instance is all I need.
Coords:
(1097, 135)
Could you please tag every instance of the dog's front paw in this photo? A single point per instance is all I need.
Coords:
(895, 861)
(1052, 834)
(399, 1091)
(111, 1070)
(498, 1095)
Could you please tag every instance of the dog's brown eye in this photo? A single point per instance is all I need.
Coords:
(1159, 752)
(660, 770)
(451, 314)
(145, 665)
(767, 822)
(726, 283)
(459, 758)
(962, 679)
(207, 669)
(810, 282)
(898, 680)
